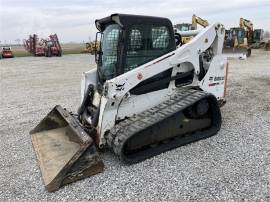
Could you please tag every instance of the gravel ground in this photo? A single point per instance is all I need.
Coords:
(234, 165)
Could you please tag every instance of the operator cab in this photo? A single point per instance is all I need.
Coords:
(235, 33)
(258, 35)
(128, 41)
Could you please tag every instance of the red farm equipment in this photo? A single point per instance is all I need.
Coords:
(43, 47)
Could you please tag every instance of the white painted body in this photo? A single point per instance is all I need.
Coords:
(117, 104)
(188, 33)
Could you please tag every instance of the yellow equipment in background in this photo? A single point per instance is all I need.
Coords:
(92, 47)
(238, 40)
(248, 26)
(197, 20)
(187, 26)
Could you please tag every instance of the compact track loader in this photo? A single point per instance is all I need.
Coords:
(147, 95)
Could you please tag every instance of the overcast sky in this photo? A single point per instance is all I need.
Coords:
(73, 20)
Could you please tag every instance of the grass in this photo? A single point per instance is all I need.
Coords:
(72, 51)
(21, 53)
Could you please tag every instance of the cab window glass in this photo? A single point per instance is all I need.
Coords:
(146, 43)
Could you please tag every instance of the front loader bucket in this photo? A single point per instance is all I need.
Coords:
(65, 152)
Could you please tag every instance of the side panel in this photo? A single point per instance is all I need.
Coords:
(136, 104)
(215, 79)
(89, 77)
(107, 116)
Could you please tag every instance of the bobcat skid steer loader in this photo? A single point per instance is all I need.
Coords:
(147, 95)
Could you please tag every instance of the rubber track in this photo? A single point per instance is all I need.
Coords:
(121, 132)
